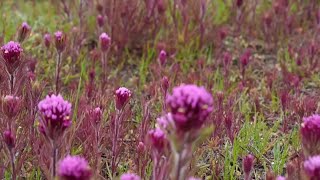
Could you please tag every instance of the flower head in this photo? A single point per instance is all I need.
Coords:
(190, 106)
(310, 134)
(157, 139)
(105, 41)
(129, 176)
(24, 31)
(122, 97)
(60, 41)
(55, 113)
(312, 167)
(11, 54)
(74, 168)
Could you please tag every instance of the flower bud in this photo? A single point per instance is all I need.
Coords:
(105, 42)
(9, 139)
(162, 58)
(60, 41)
(100, 20)
(141, 147)
(47, 40)
(122, 97)
(23, 32)
(247, 164)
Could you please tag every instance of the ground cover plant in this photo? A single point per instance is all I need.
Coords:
(160, 89)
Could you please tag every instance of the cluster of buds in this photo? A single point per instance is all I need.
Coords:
(54, 116)
(74, 168)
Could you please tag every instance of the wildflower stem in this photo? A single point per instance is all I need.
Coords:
(58, 71)
(12, 164)
(11, 79)
(54, 157)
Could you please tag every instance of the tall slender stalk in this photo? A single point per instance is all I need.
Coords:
(54, 158)
(58, 62)
(11, 84)
(14, 176)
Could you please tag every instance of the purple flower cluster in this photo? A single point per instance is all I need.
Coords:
(11, 54)
(190, 106)
(122, 97)
(129, 176)
(74, 168)
(55, 113)
(312, 167)
(157, 139)
(310, 134)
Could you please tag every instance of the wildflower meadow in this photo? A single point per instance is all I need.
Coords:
(160, 89)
